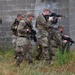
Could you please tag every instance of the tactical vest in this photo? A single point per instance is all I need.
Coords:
(14, 27)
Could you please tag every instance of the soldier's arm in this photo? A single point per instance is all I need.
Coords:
(45, 24)
(40, 21)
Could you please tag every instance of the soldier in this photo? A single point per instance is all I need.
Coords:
(16, 23)
(42, 25)
(56, 40)
(24, 46)
(14, 30)
(67, 41)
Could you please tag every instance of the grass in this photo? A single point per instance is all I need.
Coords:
(63, 57)
(63, 65)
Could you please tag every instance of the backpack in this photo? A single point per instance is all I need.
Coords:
(14, 27)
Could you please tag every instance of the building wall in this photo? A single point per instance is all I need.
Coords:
(57, 6)
(8, 11)
(10, 8)
(72, 18)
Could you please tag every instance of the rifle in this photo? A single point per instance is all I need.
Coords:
(33, 33)
(55, 17)
(68, 39)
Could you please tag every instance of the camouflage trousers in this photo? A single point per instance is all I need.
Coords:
(53, 47)
(14, 38)
(64, 47)
(42, 47)
(24, 49)
(42, 52)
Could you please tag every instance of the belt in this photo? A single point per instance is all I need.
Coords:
(21, 36)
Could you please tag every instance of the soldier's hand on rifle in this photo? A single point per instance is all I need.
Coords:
(50, 19)
(59, 18)
(28, 31)
(65, 41)
(15, 27)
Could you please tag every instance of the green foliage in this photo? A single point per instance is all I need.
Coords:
(6, 55)
(38, 68)
(62, 58)
(1, 58)
(67, 73)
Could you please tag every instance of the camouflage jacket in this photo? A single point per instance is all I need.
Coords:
(55, 38)
(42, 24)
(24, 28)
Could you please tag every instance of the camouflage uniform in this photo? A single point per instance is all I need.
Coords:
(42, 26)
(14, 36)
(65, 45)
(14, 31)
(55, 41)
(23, 44)
(14, 27)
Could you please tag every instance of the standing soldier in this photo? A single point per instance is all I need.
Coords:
(42, 25)
(15, 24)
(14, 30)
(24, 47)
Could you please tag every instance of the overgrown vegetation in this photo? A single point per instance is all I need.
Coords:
(64, 64)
